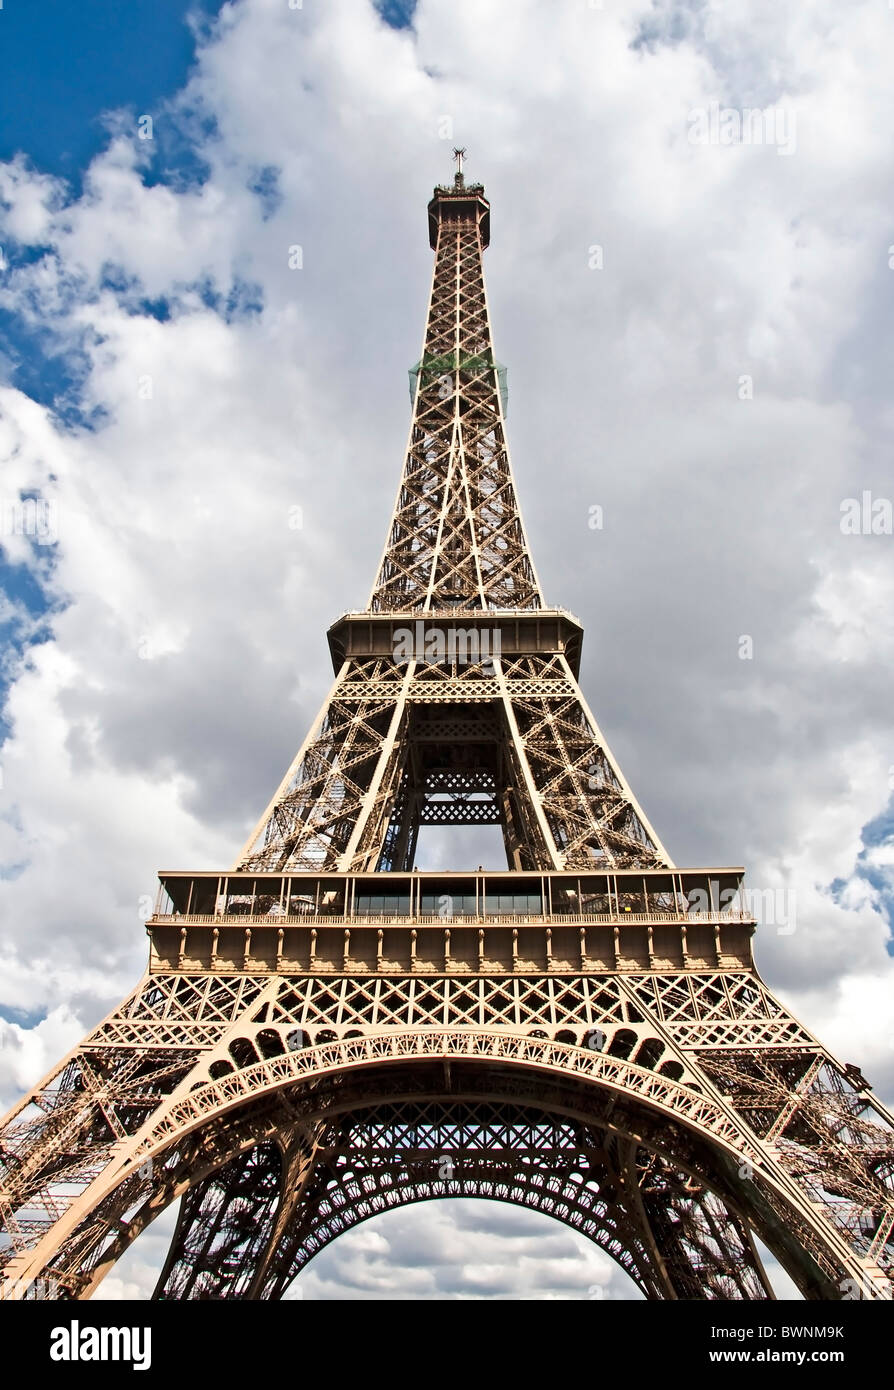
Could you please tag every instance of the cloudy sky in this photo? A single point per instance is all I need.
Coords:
(695, 308)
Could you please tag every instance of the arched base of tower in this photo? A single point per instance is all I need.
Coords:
(669, 1233)
(268, 1183)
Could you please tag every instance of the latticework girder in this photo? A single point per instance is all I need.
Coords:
(456, 538)
(363, 780)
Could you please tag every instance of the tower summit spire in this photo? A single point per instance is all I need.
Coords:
(459, 155)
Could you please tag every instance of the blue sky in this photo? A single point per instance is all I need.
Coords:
(65, 68)
(66, 65)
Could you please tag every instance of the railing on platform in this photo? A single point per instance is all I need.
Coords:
(275, 919)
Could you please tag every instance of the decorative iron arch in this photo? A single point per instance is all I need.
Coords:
(382, 1155)
(201, 1130)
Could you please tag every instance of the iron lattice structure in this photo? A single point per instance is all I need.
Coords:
(324, 1033)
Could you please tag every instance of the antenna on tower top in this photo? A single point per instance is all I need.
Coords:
(459, 155)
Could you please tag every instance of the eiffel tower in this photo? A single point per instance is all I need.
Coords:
(325, 1032)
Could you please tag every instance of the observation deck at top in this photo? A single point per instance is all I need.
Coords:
(458, 202)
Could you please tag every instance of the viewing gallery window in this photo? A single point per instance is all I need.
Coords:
(382, 905)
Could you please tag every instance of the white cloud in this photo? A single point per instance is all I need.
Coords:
(29, 1052)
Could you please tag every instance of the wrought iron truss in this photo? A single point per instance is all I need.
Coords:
(324, 1033)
